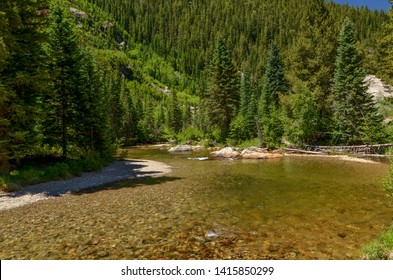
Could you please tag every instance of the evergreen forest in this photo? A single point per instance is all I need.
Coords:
(78, 78)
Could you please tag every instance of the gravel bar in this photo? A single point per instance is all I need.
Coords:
(116, 171)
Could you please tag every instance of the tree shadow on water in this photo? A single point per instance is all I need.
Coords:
(129, 183)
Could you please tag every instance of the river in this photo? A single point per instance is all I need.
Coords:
(288, 208)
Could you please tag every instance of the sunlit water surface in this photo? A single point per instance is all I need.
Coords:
(289, 208)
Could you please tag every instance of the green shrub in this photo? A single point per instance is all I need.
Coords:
(387, 182)
(191, 133)
(380, 249)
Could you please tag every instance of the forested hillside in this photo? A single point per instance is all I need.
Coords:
(79, 77)
(183, 31)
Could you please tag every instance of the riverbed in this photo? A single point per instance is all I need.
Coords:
(288, 208)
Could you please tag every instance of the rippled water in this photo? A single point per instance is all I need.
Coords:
(289, 208)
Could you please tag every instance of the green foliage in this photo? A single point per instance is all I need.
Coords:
(274, 85)
(175, 114)
(304, 122)
(60, 170)
(239, 130)
(384, 51)
(380, 249)
(355, 112)
(387, 182)
(222, 100)
(250, 27)
(191, 133)
(273, 128)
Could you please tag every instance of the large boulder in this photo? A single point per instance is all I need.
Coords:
(226, 153)
(258, 153)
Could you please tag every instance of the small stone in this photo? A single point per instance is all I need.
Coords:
(102, 254)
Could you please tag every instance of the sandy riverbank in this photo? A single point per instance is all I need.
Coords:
(341, 157)
(117, 171)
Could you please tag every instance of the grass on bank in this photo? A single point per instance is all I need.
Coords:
(47, 171)
(381, 248)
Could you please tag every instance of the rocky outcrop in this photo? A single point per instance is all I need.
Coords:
(377, 88)
(226, 153)
(78, 13)
(185, 148)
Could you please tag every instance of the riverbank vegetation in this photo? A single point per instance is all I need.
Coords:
(382, 247)
(78, 78)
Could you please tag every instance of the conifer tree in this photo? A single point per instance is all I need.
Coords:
(245, 92)
(175, 113)
(274, 82)
(356, 117)
(92, 111)
(222, 99)
(22, 80)
(65, 66)
(274, 85)
(4, 96)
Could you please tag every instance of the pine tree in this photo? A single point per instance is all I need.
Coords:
(65, 66)
(92, 111)
(22, 80)
(175, 114)
(355, 112)
(245, 92)
(222, 99)
(274, 85)
(4, 97)
(274, 82)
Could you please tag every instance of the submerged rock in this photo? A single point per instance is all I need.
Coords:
(181, 148)
(199, 158)
(226, 153)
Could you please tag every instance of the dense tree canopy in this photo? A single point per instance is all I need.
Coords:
(77, 77)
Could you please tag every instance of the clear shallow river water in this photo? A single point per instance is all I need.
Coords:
(289, 208)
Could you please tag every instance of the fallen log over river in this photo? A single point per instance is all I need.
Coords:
(360, 149)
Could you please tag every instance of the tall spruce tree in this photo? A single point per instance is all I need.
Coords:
(22, 80)
(245, 92)
(65, 65)
(274, 82)
(4, 95)
(356, 117)
(274, 85)
(92, 111)
(222, 99)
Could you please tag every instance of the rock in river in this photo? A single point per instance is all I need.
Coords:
(185, 148)
(258, 153)
(226, 153)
